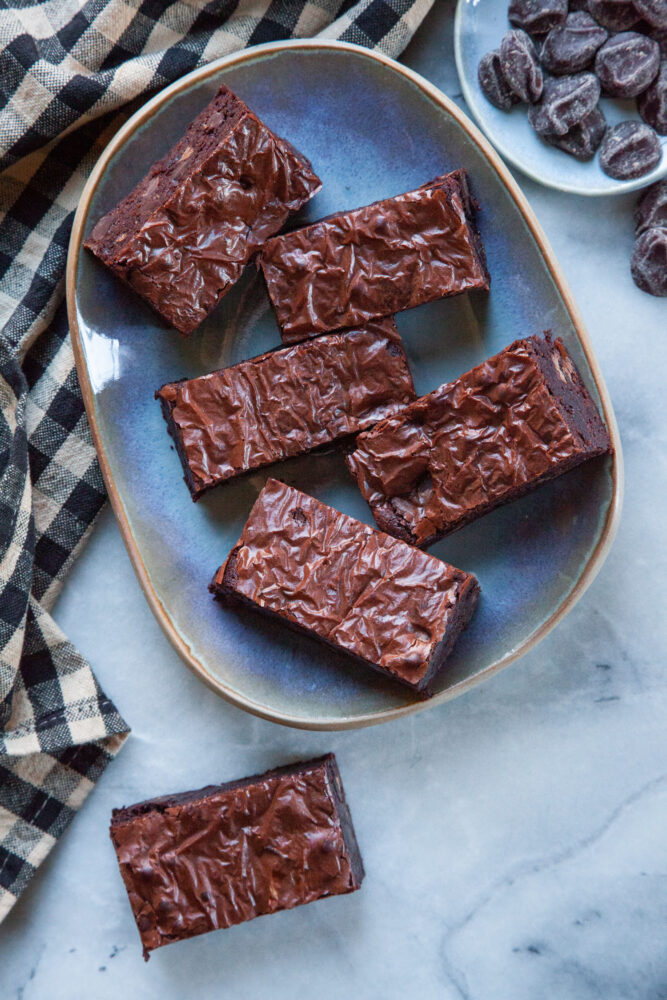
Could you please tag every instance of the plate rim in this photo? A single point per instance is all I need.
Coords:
(620, 187)
(177, 640)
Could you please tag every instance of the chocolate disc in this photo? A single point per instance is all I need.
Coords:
(537, 16)
(651, 208)
(566, 100)
(583, 139)
(493, 83)
(653, 11)
(571, 46)
(652, 104)
(617, 15)
(629, 150)
(648, 263)
(627, 64)
(521, 66)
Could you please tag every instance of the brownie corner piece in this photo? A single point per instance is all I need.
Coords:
(183, 235)
(467, 598)
(568, 390)
(212, 858)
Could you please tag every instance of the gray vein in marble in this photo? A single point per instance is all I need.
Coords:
(20, 992)
(528, 869)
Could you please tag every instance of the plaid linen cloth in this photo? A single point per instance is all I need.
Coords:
(71, 73)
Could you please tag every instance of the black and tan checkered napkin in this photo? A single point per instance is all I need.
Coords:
(70, 73)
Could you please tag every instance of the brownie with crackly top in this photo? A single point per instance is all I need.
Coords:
(386, 604)
(499, 431)
(183, 236)
(377, 260)
(285, 403)
(200, 861)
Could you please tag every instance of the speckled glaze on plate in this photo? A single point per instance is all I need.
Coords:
(478, 28)
(372, 128)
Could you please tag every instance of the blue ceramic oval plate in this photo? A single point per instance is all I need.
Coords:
(371, 128)
(478, 28)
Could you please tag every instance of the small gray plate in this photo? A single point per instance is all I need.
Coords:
(478, 28)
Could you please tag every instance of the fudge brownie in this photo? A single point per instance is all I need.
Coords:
(499, 431)
(377, 260)
(204, 860)
(182, 237)
(285, 403)
(385, 603)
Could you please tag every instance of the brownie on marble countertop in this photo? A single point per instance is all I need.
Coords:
(199, 861)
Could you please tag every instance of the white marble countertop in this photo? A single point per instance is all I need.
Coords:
(514, 839)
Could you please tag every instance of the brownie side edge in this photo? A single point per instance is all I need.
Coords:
(335, 785)
(390, 521)
(466, 604)
(471, 207)
(167, 407)
(570, 395)
(162, 802)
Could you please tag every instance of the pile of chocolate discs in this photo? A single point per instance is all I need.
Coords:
(561, 57)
